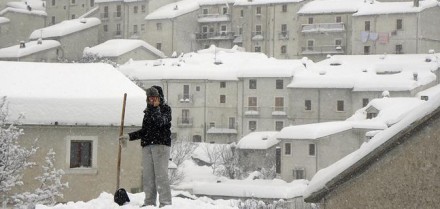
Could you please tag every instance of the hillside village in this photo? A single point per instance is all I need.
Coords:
(326, 121)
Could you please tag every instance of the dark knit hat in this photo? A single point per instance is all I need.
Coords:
(152, 92)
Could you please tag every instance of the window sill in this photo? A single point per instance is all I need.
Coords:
(79, 171)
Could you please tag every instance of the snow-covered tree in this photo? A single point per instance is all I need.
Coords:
(14, 158)
(50, 186)
(181, 150)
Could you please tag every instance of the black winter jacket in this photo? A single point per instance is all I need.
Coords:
(156, 125)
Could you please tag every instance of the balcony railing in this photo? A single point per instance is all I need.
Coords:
(279, 111)
(215, 35)
(185, 122)
(257, 36)
(328, 49)
(207, 18)
(185, 98)
(323, 27)
(283, 35)
(252, 111)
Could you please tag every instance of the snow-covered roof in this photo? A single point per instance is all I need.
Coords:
(69, 94)
(314, 130)
(394, 7)
(4, 20)
(330, 6)
(258, 140)
(259, 2)
(30, 48)
(65, 27)
(173, 10)
(391, 111)
(24, 11)
(273, 189)
(215, 2)
(368, 72)
(118, 47)
(103, 1)
(235, 64)
(323, 179)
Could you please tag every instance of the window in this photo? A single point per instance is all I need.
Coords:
(252, 103)
(211, 124)
(365, 102)
(105, 28)
(185, 116)
(312, 149)
(367, 25)
(224, 10)
(53, 2)
(284, 8)
(231, 123)
(222, 99)
(222, 84)
(158, 26)
(185, 91)
(223, 30)
(338, 19)
(310, 44)
(241, 13)
(82, 153)
(197, 138)
(308, 104)
(371, 115)
(118, 11)
(240, 31)
(159, 46)
(399, 49)
(283, 49)
(135, 9)
(399, 24)
(53, 20)
(197, 88)
(135, 29)
(258, 30)
(279, 104)
(143, 8)
(366, 49)
(105, 12)
(299, 173)
(340, 105)
(73, 17)
(257, 49)
(92, 3)
(252, 84)
(118, 29)
(73, 1)
(310, 20)
(279, 84)
(258, 11)
(279, 125)
(287, 149)
(205, 11)
(252, 125)
(338, 42)
(142, 27)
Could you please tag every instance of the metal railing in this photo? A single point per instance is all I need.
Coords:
(323, 27)
(215, 35)
(283, 35)
(185, 98)
(214, 17)
(326, 49)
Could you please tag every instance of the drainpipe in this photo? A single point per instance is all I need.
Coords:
(273, 31)
(319, 105)
(204, 114)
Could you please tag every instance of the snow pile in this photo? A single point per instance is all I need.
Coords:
(173, 10)
(259, 2)
(69, 94)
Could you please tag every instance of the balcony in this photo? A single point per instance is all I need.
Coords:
(220, 130)
(257, 36)
(279, 111)
(212, 18)
(251, 111)
(215, 36)
(184, 122)
(323, 27)
(185, 98)
(327, 49)
(283, 35)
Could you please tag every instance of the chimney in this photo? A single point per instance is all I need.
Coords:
(22, 44)
(416, 3)
(415, 76)
(40, 41)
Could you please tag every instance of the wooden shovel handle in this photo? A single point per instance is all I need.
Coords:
(121, 132)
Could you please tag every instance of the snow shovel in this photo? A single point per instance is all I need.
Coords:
(121, 195)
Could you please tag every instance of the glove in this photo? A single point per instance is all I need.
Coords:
(123, 140)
